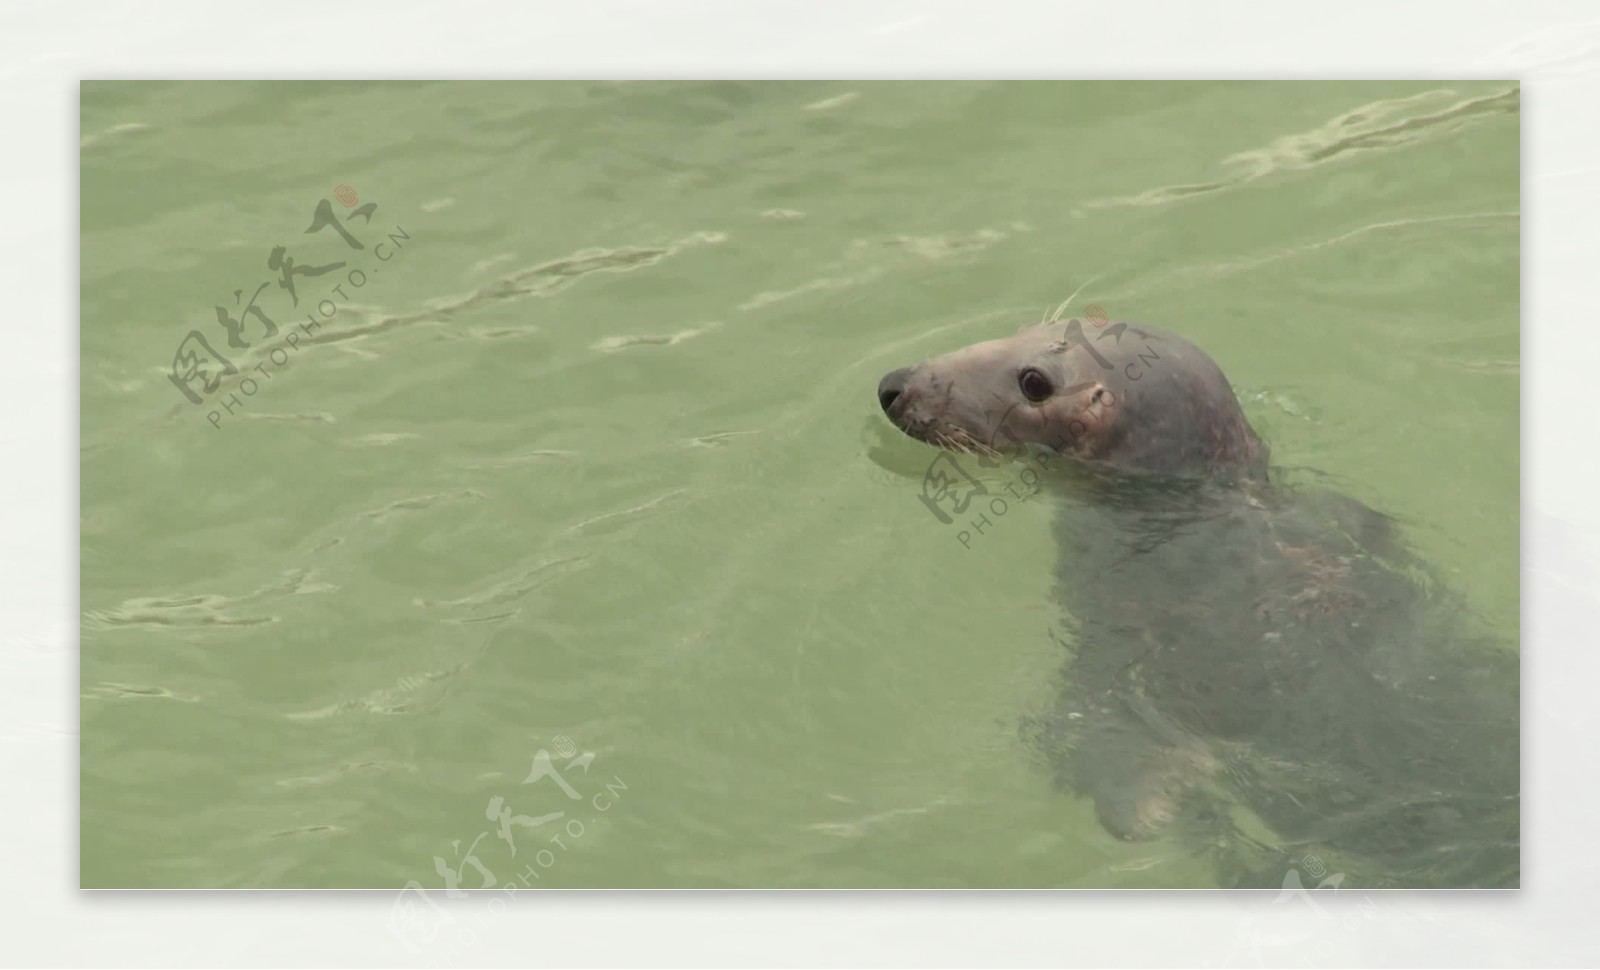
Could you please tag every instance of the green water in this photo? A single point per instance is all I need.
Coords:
(591, 462)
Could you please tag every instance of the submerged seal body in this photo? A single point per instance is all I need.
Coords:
(1242, 643)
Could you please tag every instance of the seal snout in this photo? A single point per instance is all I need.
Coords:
(892, 387)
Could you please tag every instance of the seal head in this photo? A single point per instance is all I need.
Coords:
(1131, 397)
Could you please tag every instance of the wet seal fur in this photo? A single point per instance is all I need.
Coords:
(1249, 652)
(1128, 396)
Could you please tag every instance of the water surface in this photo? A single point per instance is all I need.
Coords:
(589, 462)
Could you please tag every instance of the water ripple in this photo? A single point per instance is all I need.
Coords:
(201, 610)
(1387, 124)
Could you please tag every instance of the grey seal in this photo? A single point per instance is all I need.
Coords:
(1250, 651)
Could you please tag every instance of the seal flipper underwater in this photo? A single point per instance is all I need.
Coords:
(1242, 640)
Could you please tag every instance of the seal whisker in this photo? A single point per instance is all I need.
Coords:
(1068, 301)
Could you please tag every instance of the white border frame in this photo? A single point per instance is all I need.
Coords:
(1554, 48)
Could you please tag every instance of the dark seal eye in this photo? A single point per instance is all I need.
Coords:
(1035, 386)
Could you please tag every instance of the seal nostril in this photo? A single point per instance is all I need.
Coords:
(892, 386)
